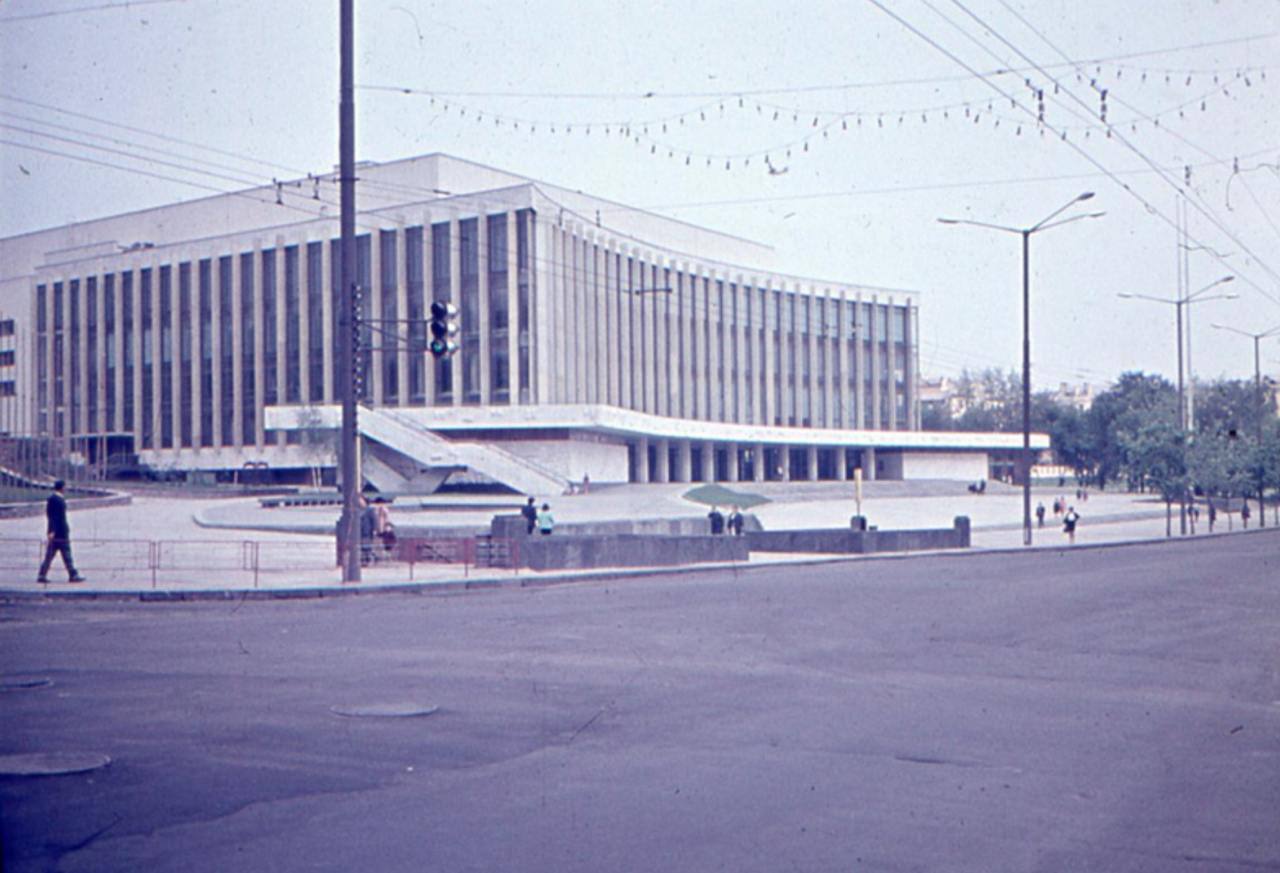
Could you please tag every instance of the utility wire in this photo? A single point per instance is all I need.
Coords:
(648, 95)
(1204, 209)
(1074, 146)
(100, 7)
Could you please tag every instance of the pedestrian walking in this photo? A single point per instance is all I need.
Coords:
(1244, 513)
(735, 522)
(1213, 516)
(530, 513)
(716, 520)
(58, 535)
(1040, 514)
(1069, 522)
(368, 530)
(546, 522)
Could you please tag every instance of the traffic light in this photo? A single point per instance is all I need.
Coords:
(444, 328)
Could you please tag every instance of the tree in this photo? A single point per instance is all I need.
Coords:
(1156, 454)
(318, 441)
(1119, 413)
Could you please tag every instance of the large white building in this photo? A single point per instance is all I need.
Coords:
(597, 340)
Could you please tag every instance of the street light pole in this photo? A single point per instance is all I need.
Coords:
(1257, 388)
(348, 526)
(1178, 303)
(1025, 232)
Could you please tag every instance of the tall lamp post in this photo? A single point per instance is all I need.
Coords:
(1025, 232)
(1178, 303)
(1257, 387)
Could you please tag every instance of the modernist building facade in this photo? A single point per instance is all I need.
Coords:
(596, 341)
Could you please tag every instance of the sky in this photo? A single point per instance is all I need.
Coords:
(836, 132)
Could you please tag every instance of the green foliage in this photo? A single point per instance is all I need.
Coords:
(1131, 432)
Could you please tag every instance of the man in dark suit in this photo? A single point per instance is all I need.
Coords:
(59, 535)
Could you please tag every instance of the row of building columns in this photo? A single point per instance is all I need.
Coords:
(743, 462)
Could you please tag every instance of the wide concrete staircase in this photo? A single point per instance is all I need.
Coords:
(409, 438)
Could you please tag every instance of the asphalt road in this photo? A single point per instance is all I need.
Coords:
(1113, 709)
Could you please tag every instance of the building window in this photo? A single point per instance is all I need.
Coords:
(440, 290)
(524, 294)
(292, 328)
(73, 371)
(389, 328)
(317, 352)
(148, 363)
(42, 359)
(91, 353)
(109, 351)
(499, 311)
(415, 301)
(227, 350)
(166, 357)
(128, 353)
(205, 305)
(469, 315)
(270, 321)
(248, 353)
(185, 389)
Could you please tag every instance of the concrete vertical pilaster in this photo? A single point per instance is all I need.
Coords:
(662, 463)
(757, 462)
(708, 462)
(642, 460)
(731, 469)
(684, 459)
(868, 464)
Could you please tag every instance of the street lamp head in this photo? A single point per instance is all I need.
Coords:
(1088, 195)
(948, 221)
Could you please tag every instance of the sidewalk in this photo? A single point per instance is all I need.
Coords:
(204, 544)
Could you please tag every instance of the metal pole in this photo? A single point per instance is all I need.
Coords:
(1182, 424)
(349, 449)
(1257, 387)
(1026, 388)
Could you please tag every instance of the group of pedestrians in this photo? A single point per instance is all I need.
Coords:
(719, 523)
(537, 519)
(1070, 518)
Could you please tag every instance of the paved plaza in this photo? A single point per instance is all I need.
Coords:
(212, 544)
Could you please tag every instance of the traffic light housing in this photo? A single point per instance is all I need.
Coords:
(444, 329)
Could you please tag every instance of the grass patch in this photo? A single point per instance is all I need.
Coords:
(718, 495)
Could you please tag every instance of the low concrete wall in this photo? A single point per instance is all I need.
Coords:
(27, 509)
(859, 542)
(564, 552)
(511, 526)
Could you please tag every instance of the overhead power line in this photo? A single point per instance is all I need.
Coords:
(30, 16)
(1151, 208)
(800, 89)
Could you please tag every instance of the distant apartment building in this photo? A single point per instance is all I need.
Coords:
(596, 341)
